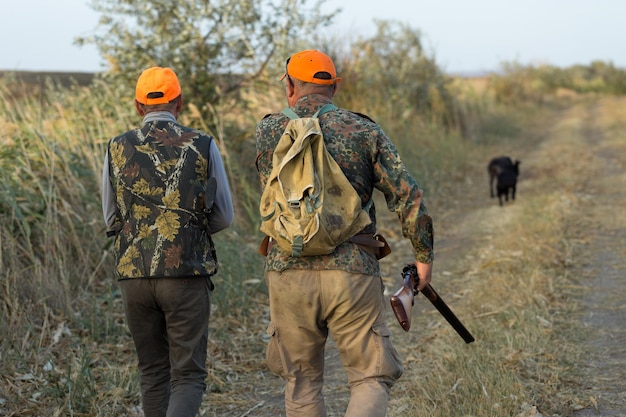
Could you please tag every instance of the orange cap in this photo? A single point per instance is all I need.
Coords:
(157, 85)
(311, 66)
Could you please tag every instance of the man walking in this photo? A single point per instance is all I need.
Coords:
(165, 193)
(340, 293)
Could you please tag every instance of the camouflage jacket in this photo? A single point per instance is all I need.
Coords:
(369, 160)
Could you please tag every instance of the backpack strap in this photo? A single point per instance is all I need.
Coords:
(290, 113)
(324, 109)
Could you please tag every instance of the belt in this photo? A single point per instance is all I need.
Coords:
(373, 244)
(367, 240)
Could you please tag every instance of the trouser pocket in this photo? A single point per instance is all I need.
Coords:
(390, 363)
(272, 353)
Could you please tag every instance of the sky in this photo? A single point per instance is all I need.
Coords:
(463, 36)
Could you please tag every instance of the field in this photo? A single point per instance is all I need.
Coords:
(539, 282)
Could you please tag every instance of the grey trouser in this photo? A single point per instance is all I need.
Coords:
(168, 319)
(304, 307)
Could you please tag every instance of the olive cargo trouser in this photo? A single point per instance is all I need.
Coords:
(304, 307)
(168, 319)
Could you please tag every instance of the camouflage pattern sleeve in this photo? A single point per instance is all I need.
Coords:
(268, 132)
(403, 196)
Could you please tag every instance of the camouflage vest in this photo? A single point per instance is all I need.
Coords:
(159, 175)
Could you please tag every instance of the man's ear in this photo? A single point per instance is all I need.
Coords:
(140, 108)
(179, 105)
(291, 88)
(292, 94)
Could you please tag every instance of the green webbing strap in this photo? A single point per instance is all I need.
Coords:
(290, 113)
(297, 246)
(324, 109)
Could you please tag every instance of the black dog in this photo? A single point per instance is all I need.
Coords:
(505, 172)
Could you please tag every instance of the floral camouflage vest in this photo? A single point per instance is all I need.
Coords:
(159, 174)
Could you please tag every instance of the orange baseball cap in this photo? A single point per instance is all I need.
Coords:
(311, 66)
(157, 85)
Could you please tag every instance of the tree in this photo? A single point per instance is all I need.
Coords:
(393, 65)
(215, 46)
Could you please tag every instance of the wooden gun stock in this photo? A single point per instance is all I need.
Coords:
(402, 303)
(402, 306)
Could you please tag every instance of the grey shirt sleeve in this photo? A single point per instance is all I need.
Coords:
(222, 213)
(108, 197)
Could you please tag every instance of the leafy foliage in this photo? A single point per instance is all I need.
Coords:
(215, 47)
(394, 66)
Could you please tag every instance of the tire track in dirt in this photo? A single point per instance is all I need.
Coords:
(602, 273)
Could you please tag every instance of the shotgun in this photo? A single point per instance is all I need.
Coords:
(402, 303)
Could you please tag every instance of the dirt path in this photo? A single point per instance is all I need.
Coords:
(603, 270)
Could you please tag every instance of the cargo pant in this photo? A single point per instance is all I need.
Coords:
(168, 319)
(304, 307)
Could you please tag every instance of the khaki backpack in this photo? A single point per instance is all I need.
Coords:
(308, 205)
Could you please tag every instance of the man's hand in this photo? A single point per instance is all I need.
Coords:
(425, 272)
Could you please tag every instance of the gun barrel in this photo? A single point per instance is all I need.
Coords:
(430, 293)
